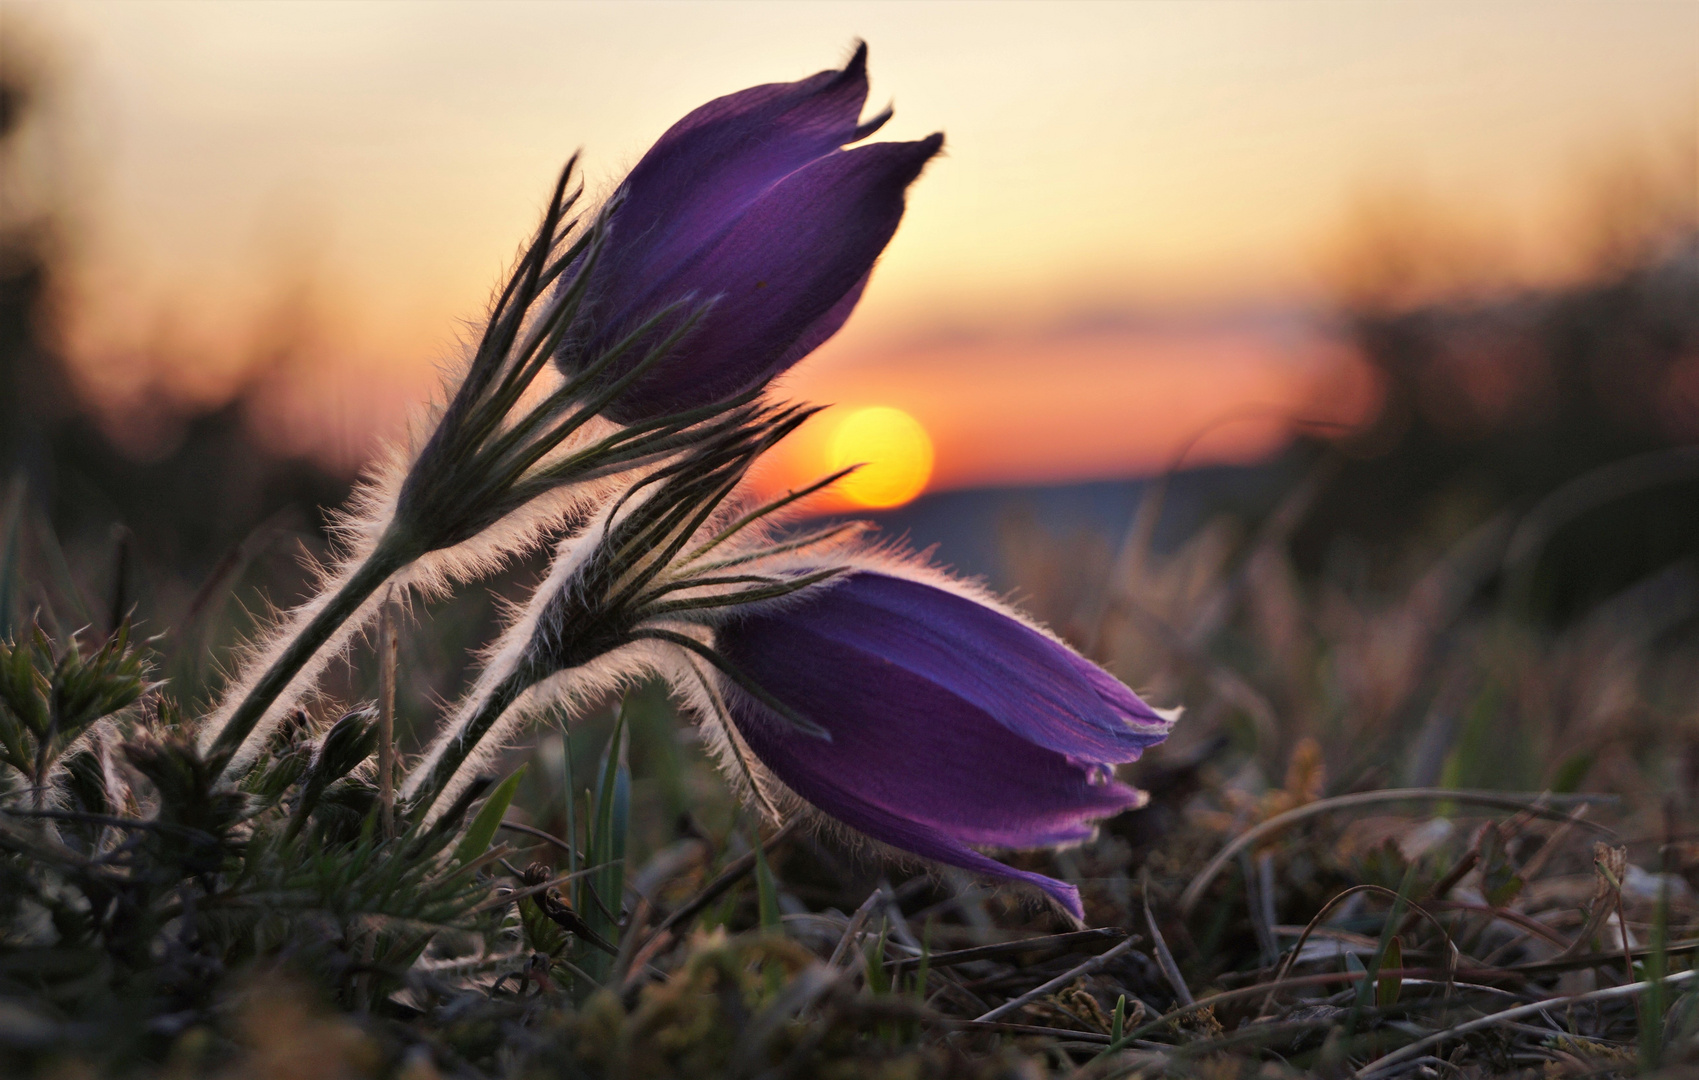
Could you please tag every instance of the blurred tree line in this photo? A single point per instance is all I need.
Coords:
(199, 510)
(1575, 406)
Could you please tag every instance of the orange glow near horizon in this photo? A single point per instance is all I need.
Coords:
(292, 197)
(893, 450)
(1041, 408)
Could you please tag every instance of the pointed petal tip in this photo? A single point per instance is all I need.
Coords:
(854, 71)
(1064, 894)
(907, 160)
(869, 126)
(922, 152)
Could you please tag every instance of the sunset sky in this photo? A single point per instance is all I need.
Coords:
(1127, 242)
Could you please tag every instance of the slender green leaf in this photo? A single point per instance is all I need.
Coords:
(767, 892)
(1653, 1016)
(484, 826)
(924, 969)
(1388, 986)
(571, 802)
(1369, 987)
(65, 582)
(609, 820)
(878, 980)
(1572, 772)
(11, 577)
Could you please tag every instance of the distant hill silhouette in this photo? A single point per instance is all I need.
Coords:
(967, 529)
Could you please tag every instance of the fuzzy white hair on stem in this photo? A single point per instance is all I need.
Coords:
(355, 532)
(729, 531)
(487, 481)
(570, 690)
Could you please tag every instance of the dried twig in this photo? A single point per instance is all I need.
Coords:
(533, 890)
(731, 875)
(1057, 942)
(1164, 958)
(1420, 1046)
(539, 834)
(1057, 983)
(847, 941)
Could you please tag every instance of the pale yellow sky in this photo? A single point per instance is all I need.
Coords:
(1101, 156)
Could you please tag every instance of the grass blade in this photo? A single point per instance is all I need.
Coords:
(11, 578)
(1370, 988)
(767, 892)
(610, 817)
(484, 826)
(571, 800)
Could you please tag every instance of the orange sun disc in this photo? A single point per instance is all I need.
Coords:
(895, 452)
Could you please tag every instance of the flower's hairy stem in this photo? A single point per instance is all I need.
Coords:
(389, 556)
(454, 755)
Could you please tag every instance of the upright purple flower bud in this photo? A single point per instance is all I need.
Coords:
(952, 723)
(751, 202)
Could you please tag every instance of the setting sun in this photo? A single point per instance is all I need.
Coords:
(894, 451)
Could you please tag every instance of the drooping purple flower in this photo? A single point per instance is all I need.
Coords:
(749, 201)
(952, 723)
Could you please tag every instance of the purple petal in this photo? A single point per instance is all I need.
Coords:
(910, 836)
(710, 166)
(913, 760)
(1033, 685)
(748, 202)
(825, 326)
(785, 276)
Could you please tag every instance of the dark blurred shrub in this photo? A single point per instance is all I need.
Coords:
(1495, 404)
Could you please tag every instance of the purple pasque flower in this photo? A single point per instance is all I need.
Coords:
(953, 724)
(749, 202)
